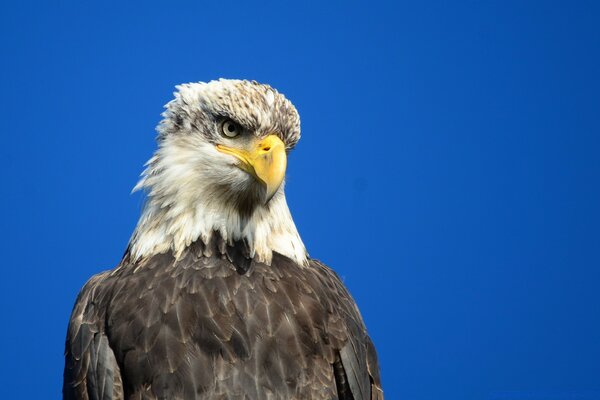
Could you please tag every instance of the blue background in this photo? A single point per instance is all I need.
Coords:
(449, 171)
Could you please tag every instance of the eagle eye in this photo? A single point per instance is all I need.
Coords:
(230, 129)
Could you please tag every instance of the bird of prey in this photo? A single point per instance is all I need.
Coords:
(216, 296)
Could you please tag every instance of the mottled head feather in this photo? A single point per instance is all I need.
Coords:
(193, 190)
(258, 108)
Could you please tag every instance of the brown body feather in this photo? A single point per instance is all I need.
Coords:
(213, 324)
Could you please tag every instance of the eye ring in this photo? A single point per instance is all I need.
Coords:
(230, 129)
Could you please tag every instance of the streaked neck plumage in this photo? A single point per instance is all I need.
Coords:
(178, 213)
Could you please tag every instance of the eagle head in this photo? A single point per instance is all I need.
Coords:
(220, 168)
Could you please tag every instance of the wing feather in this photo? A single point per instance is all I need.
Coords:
(360, 368)
(91, 370)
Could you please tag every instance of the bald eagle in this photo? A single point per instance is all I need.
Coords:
(216, 296)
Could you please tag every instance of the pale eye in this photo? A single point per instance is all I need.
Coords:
(230, 128)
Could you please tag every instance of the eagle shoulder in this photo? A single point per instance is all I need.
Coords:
(356, 366)
(91, 371)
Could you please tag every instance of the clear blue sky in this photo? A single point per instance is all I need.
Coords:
(449, 171)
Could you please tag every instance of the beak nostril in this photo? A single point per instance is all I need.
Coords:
(267, 148)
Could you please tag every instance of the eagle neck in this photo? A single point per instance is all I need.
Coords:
(176, 227)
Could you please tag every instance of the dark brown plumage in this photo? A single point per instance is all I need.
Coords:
(218, 327)
(216, 297)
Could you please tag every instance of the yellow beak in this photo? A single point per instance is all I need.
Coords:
(266, 161)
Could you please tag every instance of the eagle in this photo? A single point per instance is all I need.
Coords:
(216, 296)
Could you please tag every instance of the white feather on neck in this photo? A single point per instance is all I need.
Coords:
(182, 207)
